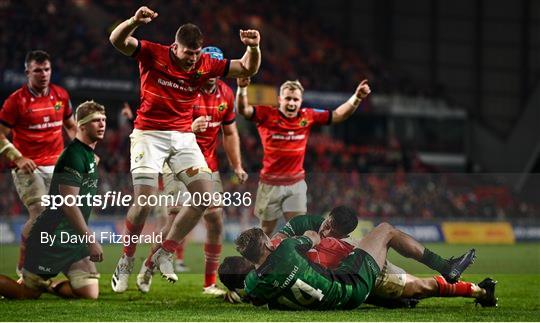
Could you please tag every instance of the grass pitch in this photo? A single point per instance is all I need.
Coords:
(517, 268)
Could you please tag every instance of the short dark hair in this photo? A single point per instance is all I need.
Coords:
(344, 219)
(189, 35)
(38, 55)
(251, 243)
(233, 270)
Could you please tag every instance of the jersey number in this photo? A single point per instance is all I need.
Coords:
(299, 289)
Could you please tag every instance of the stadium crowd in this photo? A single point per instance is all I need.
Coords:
(384, 181)
(378, 181)
(295, 47)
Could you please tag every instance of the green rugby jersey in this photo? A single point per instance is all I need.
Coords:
(287, 280)
(76, 166)
(302, 223)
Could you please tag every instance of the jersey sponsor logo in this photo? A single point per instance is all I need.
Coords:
(175, 85)
(46, 124)
(290, 136)
(289, 278)
(58, 105)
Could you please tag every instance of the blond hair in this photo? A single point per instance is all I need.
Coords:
(291, 85)
(88, 108)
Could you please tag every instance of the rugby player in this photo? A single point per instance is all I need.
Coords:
(285, 278)
(171, 76)
(75, 174)
(34, 115)
(392, 284)
(284, 133)
(213, 110)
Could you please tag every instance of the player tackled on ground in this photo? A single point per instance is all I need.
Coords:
(393, 288)
(35, 114)
(213, 110)
(284, 133)
(171, 76)
(285, 279)
(75, 175)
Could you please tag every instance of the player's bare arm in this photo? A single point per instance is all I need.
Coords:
(76, 219)
(249, 64)
(241, 97)
(71, 127)
(121, 37)
(344, 111)
(9, 151)
(231, 145)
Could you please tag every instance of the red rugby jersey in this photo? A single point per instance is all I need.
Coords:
(328, 253)
(167, 91)
(218, 108)
(36, 122)
(284, 141)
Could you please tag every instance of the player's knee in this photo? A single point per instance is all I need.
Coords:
(84, 284)
(214, 220)
(34, 210)
(385, 227)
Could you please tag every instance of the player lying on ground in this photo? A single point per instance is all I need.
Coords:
(285, 279)
(213, 111)
(392, 284)
(75, 174)
(171, 76)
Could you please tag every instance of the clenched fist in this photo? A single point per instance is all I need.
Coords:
(250, 37)
(363, 90)
(144, 15)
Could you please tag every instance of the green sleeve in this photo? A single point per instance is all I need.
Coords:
(70, 169)
(258, 289)
(289, 246)
(300, 224)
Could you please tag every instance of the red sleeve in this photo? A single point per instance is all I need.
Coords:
(217, 67)
(322, 117)
(9, 112)
(144, 51)
(68, 108)
(260, 113)
(230, 115)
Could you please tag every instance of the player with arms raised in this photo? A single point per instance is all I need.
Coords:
(35, 114)
(284, 133)
(171, 76)
(213, 110)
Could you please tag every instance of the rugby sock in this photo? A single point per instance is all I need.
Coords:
(149, 263)
(170, 245)
(211, 263)
(459, 289)
(132, 230)
(434, 261)
(22, 252)
(180, 251)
